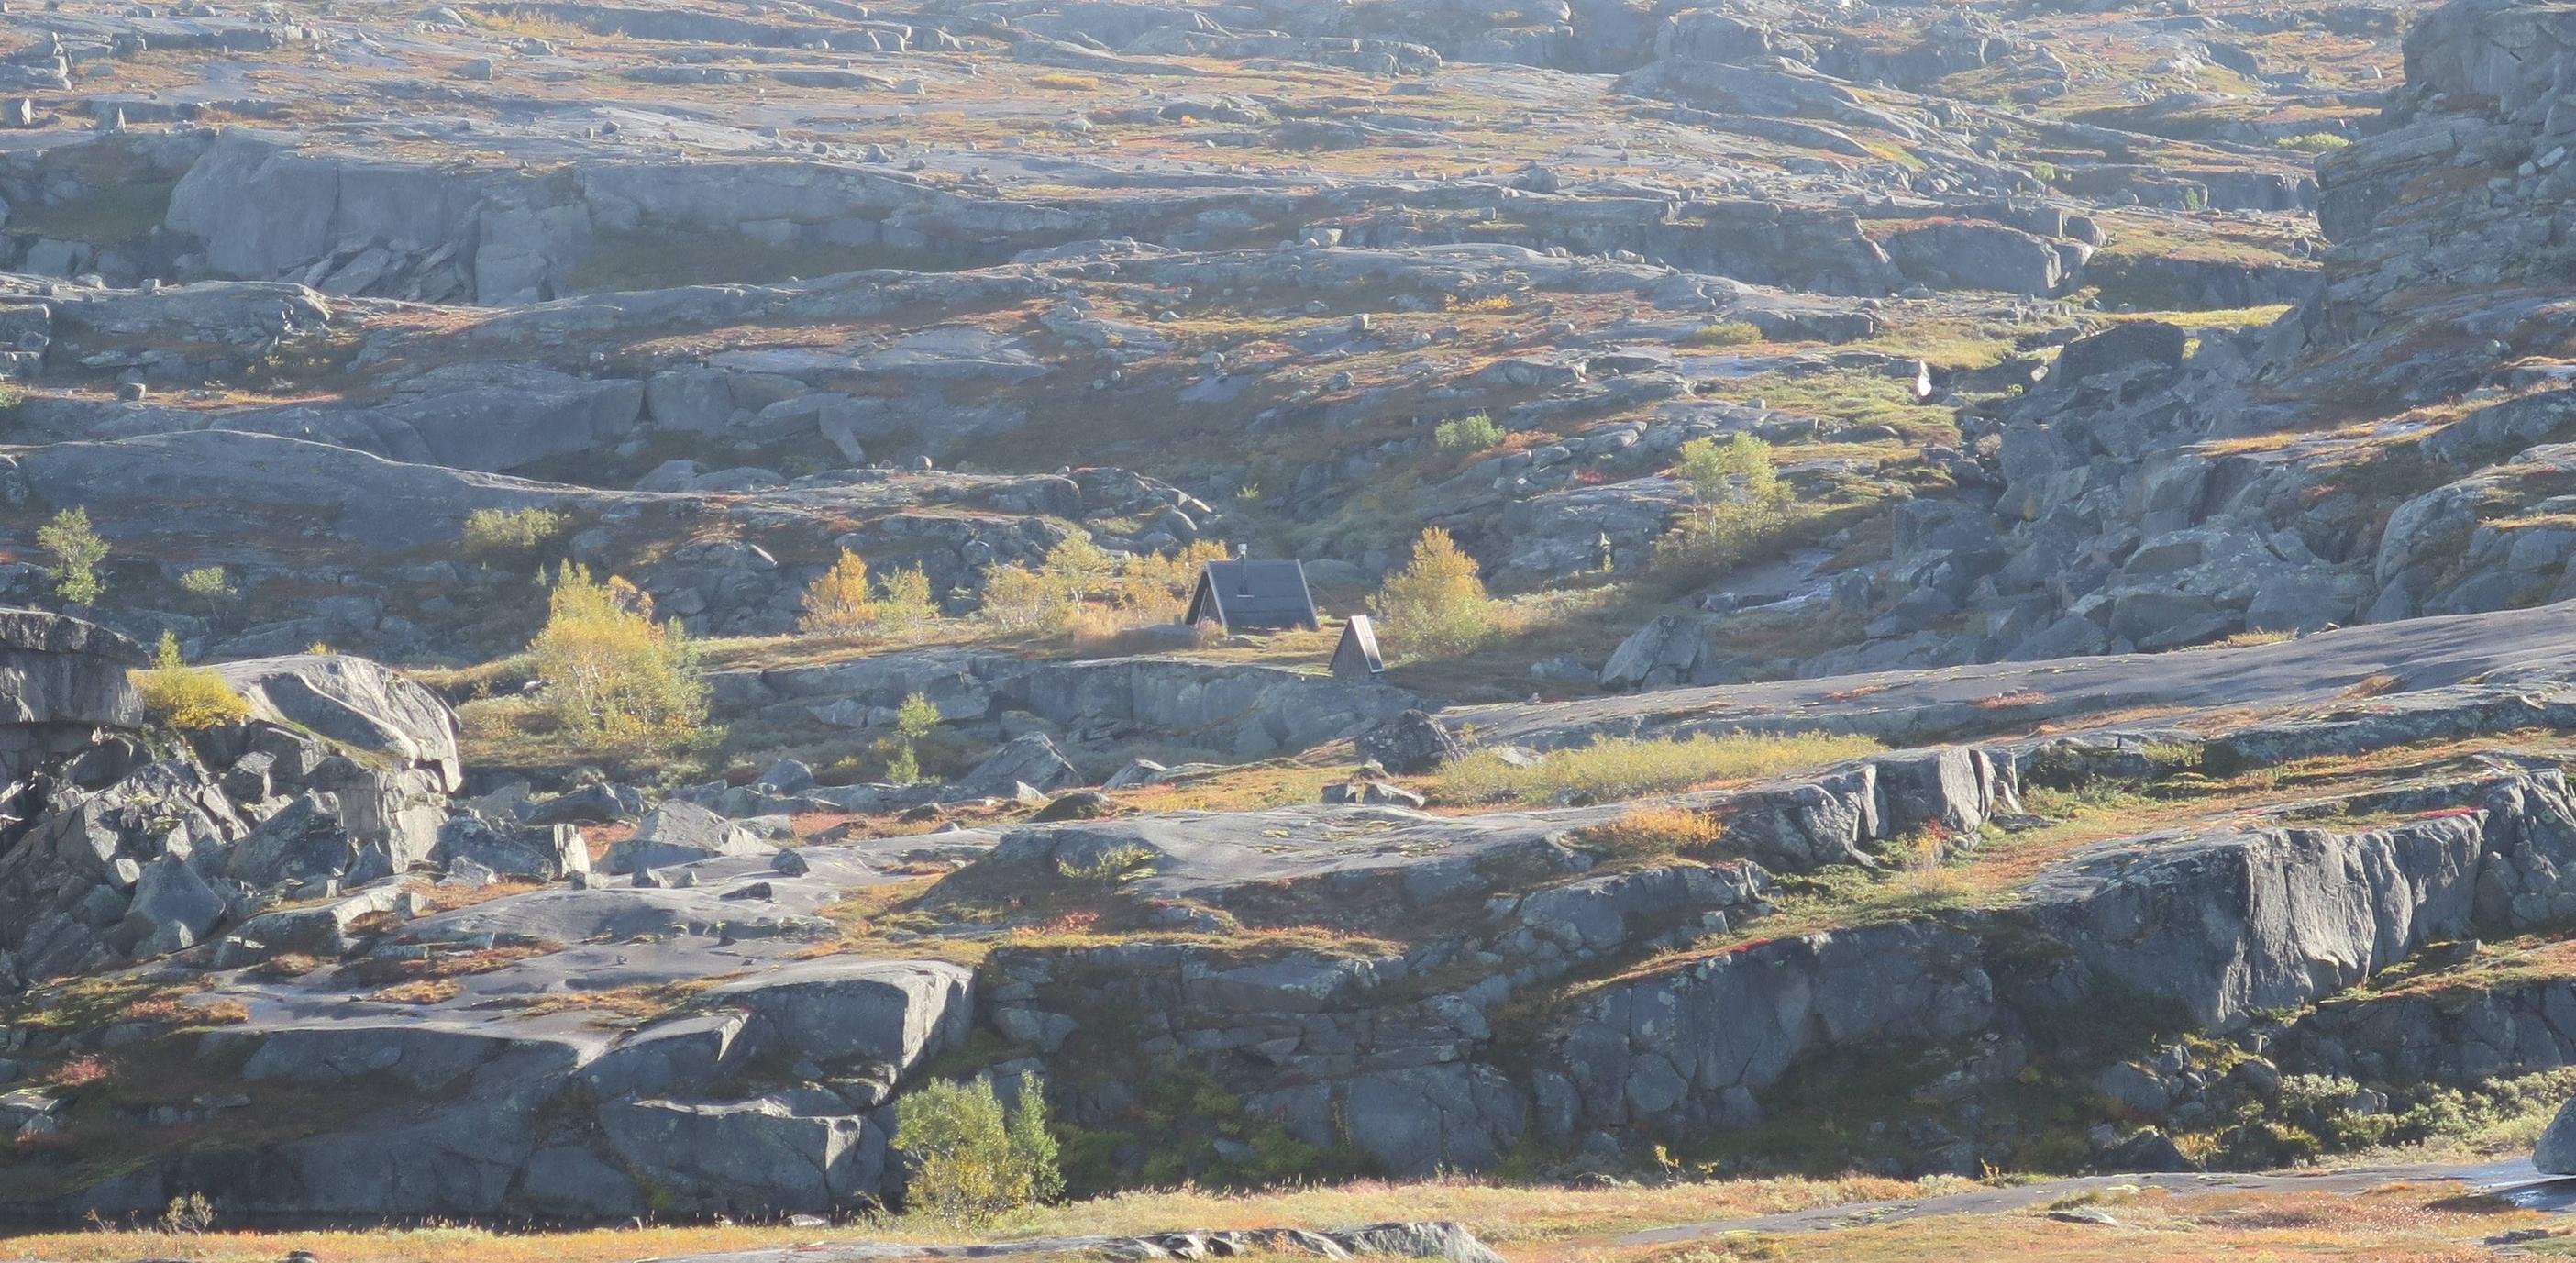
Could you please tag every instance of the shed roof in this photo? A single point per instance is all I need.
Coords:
(1356, 656)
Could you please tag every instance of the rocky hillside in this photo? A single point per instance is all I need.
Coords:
(1894, 601)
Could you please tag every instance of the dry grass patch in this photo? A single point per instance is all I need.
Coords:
(1505, 1214)
(2014, 701)
(619, 1007)
(2247, 640)
(1251, 787)
(2494, 966)
(415, 979)
(1615, 768)
(2401, 1223)
(1648, 833)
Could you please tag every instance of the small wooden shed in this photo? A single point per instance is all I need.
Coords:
(1253, 596)
(1356, 659)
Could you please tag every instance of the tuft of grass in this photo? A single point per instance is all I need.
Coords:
(1616, 768)
(1724, 333)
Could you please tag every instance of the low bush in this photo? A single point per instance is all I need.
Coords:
(610, 674)
(493, 534)
(972, 1159)
(1467, 434)
(1436, 606)
(839, 603)
(1648, 833)
(1724, 333)
(185, 697)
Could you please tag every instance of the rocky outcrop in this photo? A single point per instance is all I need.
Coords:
(2456, 1036)
(340, 775)
(62, 683)
(2278, 918)
(1690, 1049)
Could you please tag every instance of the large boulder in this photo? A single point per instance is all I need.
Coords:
(2136, 343)
(545, 852)
(355, 702)
(2556, 1152)
(1411, 744)
(680, 832)
(1667, 651)
(840, 1011)
(1031, 759)
(756, 1157)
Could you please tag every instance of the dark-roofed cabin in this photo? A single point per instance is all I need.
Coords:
(1356, 659)
(1253, 596)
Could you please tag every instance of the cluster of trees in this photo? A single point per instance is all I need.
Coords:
(841, 602)
(1079, 587)
(1086, 590)
(1739, 506)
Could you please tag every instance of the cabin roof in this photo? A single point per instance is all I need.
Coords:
(1253, 594)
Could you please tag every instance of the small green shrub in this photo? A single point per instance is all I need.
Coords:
(973, 1160)
(209, 584)
(499, 533)
(1023, 598)
(2317, 142)
(904, 606)
(1467, 434)
(913, 721)
(1122, 863)
(77, 551)
(1724, 333)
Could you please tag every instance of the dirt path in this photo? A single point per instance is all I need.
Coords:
(2516, 1181)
